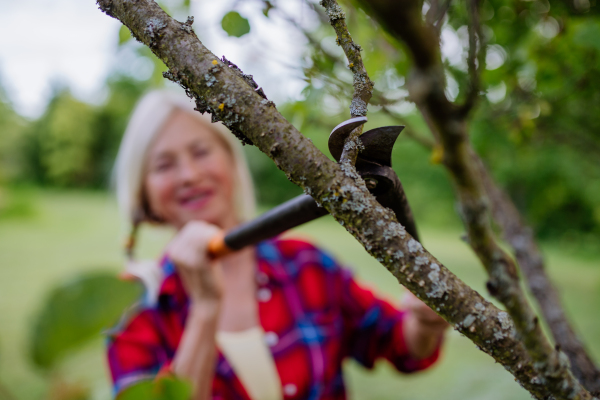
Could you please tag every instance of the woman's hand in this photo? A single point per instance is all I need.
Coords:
(423, 328)
(203, 281)
(425, 316)
(201, 276)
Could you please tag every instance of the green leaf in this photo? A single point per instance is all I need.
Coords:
(76, 312)
(162, 389)
(124, 34)
(234, 24)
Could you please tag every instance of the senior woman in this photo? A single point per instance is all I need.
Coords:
(268, 322)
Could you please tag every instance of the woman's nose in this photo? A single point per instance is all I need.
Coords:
(189, 171)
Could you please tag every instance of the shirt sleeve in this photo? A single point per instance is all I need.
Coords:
(374, 329)
(135, 352)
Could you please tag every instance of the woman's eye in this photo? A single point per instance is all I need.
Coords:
(200, 152)
(162, 166)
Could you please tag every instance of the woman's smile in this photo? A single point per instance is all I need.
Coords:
(195, 199)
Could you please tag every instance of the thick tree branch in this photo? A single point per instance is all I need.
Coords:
(449, 124)
(223, 92)
(363, 87)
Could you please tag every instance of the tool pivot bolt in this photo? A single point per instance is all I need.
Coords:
(371, 183)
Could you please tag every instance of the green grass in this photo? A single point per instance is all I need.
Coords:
(77, 231)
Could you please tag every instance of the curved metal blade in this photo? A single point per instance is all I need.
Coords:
(379, 143)
(338, 135)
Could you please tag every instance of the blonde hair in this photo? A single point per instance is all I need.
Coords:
(147, 120)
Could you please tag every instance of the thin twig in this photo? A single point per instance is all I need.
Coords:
(363, 86)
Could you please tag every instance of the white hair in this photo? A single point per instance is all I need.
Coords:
(147, 120)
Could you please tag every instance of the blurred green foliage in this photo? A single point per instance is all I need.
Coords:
(76, 312)
(11, 131)
(542, 140)
(73, 144)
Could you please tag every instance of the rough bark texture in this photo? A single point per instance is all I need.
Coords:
(448, 122)
(223, 91)
(531, 262)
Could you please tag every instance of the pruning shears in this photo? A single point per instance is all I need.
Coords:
(374, 164)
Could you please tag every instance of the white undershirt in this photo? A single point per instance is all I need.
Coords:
(252, 362)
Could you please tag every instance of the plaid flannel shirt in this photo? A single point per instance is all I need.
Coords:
(312, 311)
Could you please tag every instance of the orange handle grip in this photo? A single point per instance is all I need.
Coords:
(217, 247)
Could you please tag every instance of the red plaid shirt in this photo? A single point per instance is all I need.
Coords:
(313, 313)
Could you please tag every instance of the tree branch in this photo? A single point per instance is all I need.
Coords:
(426, 86)
(529, 257)
(363, 86)
(476, 57)
(530, 260)
(222, 91)
(436, 13)
(426, 142)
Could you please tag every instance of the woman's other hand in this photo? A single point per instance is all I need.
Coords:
(201, 276)
(422, 313)
(423, 328)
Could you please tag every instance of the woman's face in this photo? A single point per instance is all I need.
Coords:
(189, 174)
